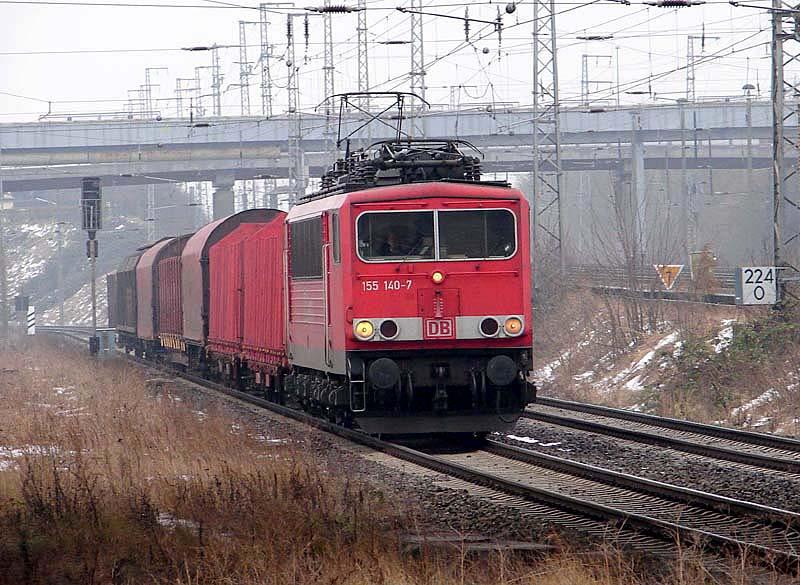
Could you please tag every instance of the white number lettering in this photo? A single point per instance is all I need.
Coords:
(386, 285)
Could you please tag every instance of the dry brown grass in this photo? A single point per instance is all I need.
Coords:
(111, 482)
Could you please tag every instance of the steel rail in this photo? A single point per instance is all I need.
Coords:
(761, 439)
(652, 438)
(776, 517)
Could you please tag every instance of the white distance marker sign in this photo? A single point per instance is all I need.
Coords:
(757, 285)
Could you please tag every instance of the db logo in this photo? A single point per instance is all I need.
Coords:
(439, 329)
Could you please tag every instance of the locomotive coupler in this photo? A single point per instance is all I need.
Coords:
(440, 398)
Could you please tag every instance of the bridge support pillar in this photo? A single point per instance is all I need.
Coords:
(223, 196)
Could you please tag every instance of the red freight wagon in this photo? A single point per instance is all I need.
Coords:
(195, 270)
(226, 291)
(125, 312)
(264, 334)
(146, 281)
(147, 284)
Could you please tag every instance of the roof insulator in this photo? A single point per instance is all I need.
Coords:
(674, 3)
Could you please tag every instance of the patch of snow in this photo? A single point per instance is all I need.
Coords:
(532, 441)
(634, 384)
(9, 454)
(760, 400)
(642, 363)
(725, 337)
(169, 521)
(546, 372)
(668, 340)
(584, 376)
(73, 412)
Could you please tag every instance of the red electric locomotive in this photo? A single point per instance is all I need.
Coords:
(410, 305)
(397, 299)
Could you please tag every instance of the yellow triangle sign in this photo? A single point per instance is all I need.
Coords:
(668, 273)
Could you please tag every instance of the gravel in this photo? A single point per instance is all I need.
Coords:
(743, 482)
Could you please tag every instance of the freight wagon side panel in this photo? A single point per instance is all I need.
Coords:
(127, 297)
(126, 293)
(146, 277)
(170, 315)
(111, 289)
(226, 291)
(195, 270)
(264, 334)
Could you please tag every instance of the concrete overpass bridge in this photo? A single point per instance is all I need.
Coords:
(55, 155)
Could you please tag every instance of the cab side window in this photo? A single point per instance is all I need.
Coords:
(335, 238)
(306, 248)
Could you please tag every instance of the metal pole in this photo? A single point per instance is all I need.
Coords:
(3, 268)
(216, 80)
(93, 267)
(777, 132)
(244, 70)
(296, 163)
(363, 62)
(60, 240)
(749, 116)
(329, 82)
(684, 199)
(417, 74)
(150, 213)
(266, 79)
(547, 175)
(616, 60)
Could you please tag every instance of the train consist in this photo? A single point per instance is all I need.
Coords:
(396, 299)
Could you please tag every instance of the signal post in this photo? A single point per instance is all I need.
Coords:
(92, 220)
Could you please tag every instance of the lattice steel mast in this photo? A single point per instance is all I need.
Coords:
(547, 228)
(216, 80)
(363, 61)
(417, 68)
(244, 70)
(329, 89)
(266, 79)
(296, 163)
(785, 144)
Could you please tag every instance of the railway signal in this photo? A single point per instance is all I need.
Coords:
(92, 222)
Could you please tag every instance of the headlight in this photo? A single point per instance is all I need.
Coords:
(389, 329)
(489, 327)
(437, 277)
(513, 326)
(364, 330)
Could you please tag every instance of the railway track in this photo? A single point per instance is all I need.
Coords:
(743, 447)
(658, 510)
(654, 509)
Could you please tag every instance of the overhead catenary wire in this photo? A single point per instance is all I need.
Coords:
(487, 68)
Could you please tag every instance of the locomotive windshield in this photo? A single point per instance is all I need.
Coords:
(476, 234)
(436, 235)
(396, 235)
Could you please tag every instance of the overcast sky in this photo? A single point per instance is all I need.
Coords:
(650, 42)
